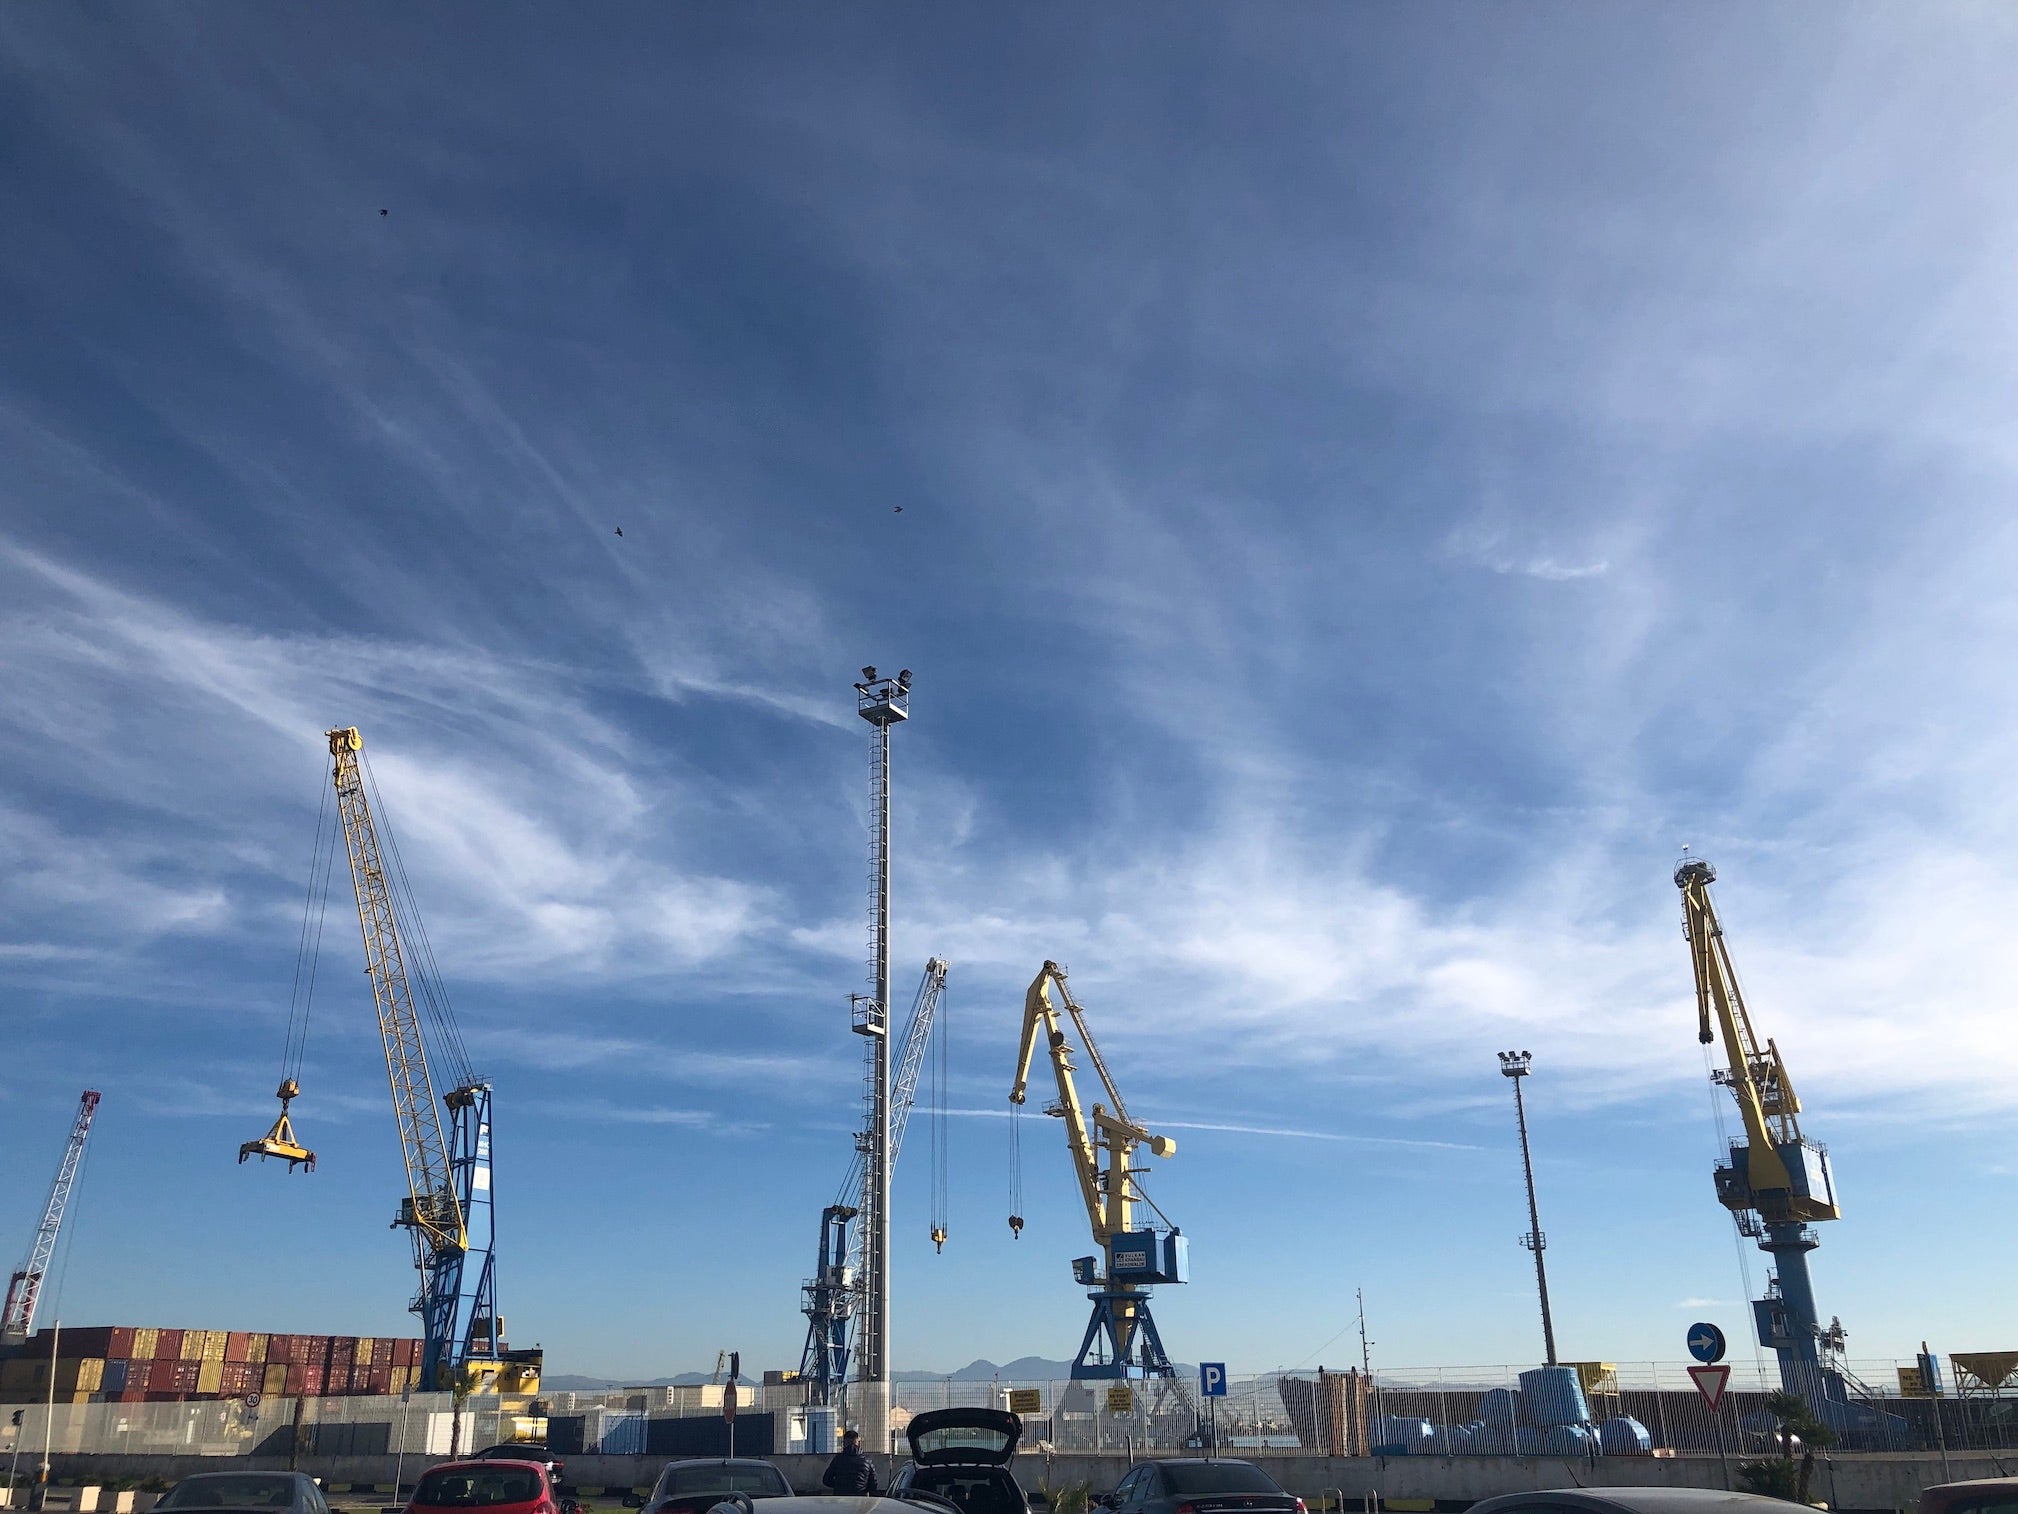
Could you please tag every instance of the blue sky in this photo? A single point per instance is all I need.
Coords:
(1376, 481)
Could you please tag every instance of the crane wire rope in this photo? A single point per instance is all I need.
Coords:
(308, 949)
(940, 1134)
(424, 969)
(1723, 1142)
(1716, 1088)
(1016, 1171)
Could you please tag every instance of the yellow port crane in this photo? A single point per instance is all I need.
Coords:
(1121, 1339)
(1776, 1181)
(447, 1207)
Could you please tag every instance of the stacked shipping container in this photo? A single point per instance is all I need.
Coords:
(130, 1364)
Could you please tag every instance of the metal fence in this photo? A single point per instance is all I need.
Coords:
(1627, 1408)
(1634, 1408)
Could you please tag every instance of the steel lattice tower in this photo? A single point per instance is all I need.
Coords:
(882, 702)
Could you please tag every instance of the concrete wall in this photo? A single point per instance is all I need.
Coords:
(1861, 1482)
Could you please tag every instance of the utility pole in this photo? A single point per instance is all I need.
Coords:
(882, 702)
(1514, 1064)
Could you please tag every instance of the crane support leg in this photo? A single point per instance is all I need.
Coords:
(1121, 1339)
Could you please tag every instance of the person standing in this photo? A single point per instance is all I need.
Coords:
(850, 1472)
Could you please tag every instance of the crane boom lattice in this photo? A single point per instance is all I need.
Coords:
(24, 1288)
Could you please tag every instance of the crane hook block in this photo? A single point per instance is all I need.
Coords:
(1016, 1226)
(938, 1237)
(280, 1141)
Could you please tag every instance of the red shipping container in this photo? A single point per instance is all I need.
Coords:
(314, 1380)
(342, 1351)
(360, 1379)
(381, 1380)
(170, 1344)
(161, 1376)
(237, 1346)
(238, 1379)
(297, 1381)
(403, 1353)
(134, 1396)
(121, 1343)
(381, 1352)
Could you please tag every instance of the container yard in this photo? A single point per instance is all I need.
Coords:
(136, 1364)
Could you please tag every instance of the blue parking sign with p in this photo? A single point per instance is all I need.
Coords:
(1212, 1379)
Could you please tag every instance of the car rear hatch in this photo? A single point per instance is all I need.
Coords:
(964, 1437)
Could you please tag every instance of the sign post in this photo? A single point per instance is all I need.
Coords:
(1711, 1377)
(729, 1399)
(1212, 1388)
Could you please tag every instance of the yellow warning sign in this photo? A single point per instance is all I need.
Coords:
(1026, 1401)
(1120, 1400)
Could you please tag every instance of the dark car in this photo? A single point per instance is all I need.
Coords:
(1988, 1495)
(962, 1456)
(1631, 1501)
(287, 1492)
(1186, 1486)
(525, 1450)
(697, 1485)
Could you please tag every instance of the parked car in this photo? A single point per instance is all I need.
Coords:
(962, 1456)
(1988, 1495)
(287, 1492)
(1182, 1485)
(1632, 1501)
(492, 1484)
(696, 1485)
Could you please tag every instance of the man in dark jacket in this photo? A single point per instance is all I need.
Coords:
(849, 1473)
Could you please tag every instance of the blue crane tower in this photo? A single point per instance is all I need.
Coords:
(1776, 1182)
(830, 1295)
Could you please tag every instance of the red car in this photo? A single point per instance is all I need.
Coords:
(496, 1487)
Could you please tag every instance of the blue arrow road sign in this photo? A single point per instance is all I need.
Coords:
(1212, 1379)
(1706, 1343)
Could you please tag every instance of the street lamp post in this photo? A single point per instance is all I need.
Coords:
(1514, 1065)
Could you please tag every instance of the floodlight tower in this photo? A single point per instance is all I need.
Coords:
(882, 702)
(1514, 1064)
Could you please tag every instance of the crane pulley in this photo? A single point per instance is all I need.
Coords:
(1121, 1339)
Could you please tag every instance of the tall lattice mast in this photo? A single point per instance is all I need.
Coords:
(24, 1288)
(882, 702)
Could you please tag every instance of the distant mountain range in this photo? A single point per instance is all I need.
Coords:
(980, 1370)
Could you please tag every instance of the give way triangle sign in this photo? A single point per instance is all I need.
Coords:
(1710, 1382)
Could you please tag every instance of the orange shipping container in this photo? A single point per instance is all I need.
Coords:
(168, 1345)
(236, 1344)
